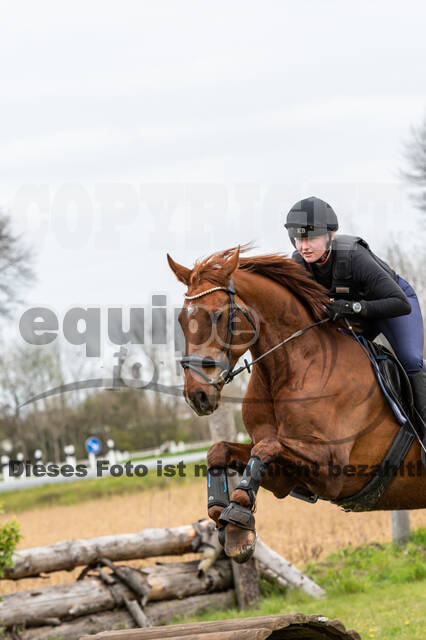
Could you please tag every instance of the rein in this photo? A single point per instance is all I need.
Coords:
(196, 363)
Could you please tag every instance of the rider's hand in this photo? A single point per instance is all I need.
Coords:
(340, 308)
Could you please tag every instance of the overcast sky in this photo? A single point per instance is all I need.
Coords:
(193, 126)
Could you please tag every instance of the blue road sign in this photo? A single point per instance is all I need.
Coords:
(93, 445)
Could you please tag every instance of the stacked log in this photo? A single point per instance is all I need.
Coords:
(159, 613)
(108, 595)
(149, 543)
(169, 581)
(286, 627)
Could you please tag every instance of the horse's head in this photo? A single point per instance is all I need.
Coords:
(217, 327)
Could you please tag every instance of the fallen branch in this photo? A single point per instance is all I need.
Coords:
(137, 613)
(286, 571)
(132, 546)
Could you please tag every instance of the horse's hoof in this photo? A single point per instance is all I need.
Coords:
(221, 536)
(239, 543)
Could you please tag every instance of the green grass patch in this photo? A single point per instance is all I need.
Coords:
(388, 613)
(168, 454)
(69, 493)
(356, 570)
(379, 590)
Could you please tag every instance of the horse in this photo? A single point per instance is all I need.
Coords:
(313, 409)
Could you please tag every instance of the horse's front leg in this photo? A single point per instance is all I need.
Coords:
(240, 532)
(219, 456)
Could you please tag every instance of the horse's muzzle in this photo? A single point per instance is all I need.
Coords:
(203, 402)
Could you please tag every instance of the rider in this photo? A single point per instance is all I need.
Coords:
(361, 286)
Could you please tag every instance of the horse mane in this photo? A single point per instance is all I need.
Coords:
(275, 266)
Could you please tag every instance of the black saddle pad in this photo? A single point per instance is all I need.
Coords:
(394, 376)
(398, 385)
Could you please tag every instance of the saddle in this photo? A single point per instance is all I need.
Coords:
(393, 379)
(396, 387)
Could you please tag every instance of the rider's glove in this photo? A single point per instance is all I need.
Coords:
(340, 308)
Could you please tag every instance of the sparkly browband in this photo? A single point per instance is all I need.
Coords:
(203, 293)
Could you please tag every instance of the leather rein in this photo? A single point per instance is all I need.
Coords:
(197, 363)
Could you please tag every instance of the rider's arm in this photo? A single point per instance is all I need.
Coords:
(383, 297)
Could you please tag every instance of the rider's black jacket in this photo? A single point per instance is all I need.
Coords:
(353, 272)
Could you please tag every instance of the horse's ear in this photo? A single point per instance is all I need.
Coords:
(182, 273)
(232, 263)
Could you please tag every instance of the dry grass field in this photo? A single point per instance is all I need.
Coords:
(297, 530)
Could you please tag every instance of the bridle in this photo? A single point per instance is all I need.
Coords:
(197, 363)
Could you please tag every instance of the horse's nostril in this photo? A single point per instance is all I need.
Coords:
(202, 400)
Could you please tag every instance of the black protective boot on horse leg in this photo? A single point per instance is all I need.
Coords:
(240, 516)
(217, 493)
(418, 385)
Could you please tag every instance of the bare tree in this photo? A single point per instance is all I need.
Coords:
(26, 371)
(412, 270)
(415, 154)
(15, 265)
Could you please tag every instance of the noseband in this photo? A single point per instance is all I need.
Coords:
(197, 363)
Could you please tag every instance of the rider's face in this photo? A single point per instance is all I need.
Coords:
(312, 248)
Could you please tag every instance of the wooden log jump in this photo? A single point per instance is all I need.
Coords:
(159, 582)
(148, 543)
(108, 595)
(283, 627)
(159, 613)
(192, 538)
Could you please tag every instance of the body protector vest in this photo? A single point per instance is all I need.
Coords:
(342, 285)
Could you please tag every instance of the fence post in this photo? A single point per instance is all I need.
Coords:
(400, 526)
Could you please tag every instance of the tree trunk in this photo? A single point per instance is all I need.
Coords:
(158, 613)
(400, 526)
(160, 582)
(133, 546)
(289, 626)
(222, 423)
(181, 579)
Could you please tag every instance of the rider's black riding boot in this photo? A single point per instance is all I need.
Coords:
(418, 385)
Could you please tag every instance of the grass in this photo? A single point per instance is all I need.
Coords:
(356, 570)
(70, 493)
(168, 454)
(392, 612)
(379, 590)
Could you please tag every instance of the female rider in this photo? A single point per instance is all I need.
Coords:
(360, 285)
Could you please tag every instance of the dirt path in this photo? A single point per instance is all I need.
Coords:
(297, 530)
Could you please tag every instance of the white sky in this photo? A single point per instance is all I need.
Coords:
(228, 111)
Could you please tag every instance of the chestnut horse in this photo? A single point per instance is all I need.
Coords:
(311, 404)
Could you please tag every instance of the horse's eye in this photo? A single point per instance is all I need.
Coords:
(217, 316)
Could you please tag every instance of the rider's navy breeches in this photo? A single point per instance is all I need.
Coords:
(405, 333)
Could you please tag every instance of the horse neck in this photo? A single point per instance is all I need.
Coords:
(279, 312)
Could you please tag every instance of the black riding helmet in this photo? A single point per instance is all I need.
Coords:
(310, 217)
